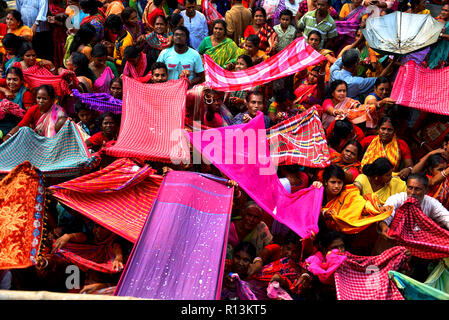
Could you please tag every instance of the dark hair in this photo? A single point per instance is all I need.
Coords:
(159, 65)
(79, 106)
(132, 52)
(286, 12)
(380, 80)
(282, 95)
(49, 89)
(114, 80)
(16, 15)
(183, 29)
(254, 39)
(91, 5)
(252, 93)
(326, 238)
(99, 50)
(24, 48)
(261, 9)
(126, 13)
(108, 114)
(391, 120)
(174, 19)
(157, 2)
(10, 40)
(16, 71)
(316, 33)
(334, 84)
(350, 58)
(247, 58)
(378, 168)
(247, 247)
(354, 143)
(190, 1)
(333, 171)
(83, 36)
(114, 22)
(421, 177)
(81, 61)
(291, 238)
(160, 17)
(435, 160)
(221, 21)
(342, 129)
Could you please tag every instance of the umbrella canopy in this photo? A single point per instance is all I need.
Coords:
(401, 32)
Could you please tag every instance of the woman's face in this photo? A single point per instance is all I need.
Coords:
(160, 27)
(11, 22)
(386, 132)
(291, 251)
(250, 48)
(251, 218)
(259, 19)
(13, 82)
(69, 65)
(219, 31)
(339, 93)
(337, 244)
(382, 90)
(116, 90)
(213, 101)
(445, 12)
(241, 64)
(109, 126)
(386, 178)
(30, 57)
(440, 167)
(314, 41)
(100, 61)
(240, 262)
(349, 154)
(312, 78)
(133, 20)
(334, 186)
(357, 3)
(43, 100)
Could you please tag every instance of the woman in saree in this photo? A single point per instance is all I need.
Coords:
(439, 52)
(310, 91)
(377, 178)
(136, 65)
(159, 39)
(340, 132)
(96, 17)
(340, 106)
(263, 30)
(380, 97)
(103, 70)
(79, 64)
(14, 24)
(43, 116)
(352, 16)
(10, 46)
(131, 23)
(220, 48)
(153, 9)
(29, 59)
(386, 144)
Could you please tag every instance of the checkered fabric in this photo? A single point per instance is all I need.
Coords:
(366, 278)
(63, 155)
(421, 88)
(418, 233)
(295, 57)
(152, 121)
(210, 12)
(299, 140)
(101, 102)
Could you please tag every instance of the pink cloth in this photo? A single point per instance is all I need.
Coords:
(247, 161)
(274, 291)
(295, 57)
(101, 85)
(421, 88)
(419, 233)
(9, 107)
(324, 268)
(210, 12)
(152, 121)
(366, 278)
(46, 125)
(35, 76)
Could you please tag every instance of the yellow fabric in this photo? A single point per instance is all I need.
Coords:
(352, 213)
(120, 53)
(376, 150)
(24, 31)
(396, 185)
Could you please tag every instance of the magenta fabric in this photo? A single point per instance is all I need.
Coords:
(241, 152)
(101, 85)
(243, 289)
(419, 233)
(324, 268)
(421, 88)
(366, 278)
(180, 253)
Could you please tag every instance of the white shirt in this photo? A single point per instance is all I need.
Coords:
(197, 27)
(430, 206)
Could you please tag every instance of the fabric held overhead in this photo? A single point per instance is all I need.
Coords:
(401, 32)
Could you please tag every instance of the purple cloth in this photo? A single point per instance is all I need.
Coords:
(181, 250)
(102, 102)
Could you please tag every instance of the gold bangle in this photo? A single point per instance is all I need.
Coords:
(257, 259)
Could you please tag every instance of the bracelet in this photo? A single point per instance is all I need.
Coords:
(257, 259)
(443, 174)
(422, 143)
(411, 168)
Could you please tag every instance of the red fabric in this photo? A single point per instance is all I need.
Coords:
(98, 139)
(366, 278)
(419, 233)
(152, 121)
(402, 145)
(27, 99)
(31, 117)
(35, 76)
(210, 12)
(421, 88)
(156, 12)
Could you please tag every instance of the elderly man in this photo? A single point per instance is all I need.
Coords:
(417, 185)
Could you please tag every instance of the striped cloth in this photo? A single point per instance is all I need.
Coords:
(118, 197)
(418, 233)
(101, 102)
(210, 12)
(422, 89)
(63, 155)
(35, 76)
(299, 140)
(241, 152)
(366, 278)
(295, 57)
(414, 290)
(152, 122)
(180, 254)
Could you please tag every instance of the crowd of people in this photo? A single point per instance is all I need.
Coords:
(381, 153)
